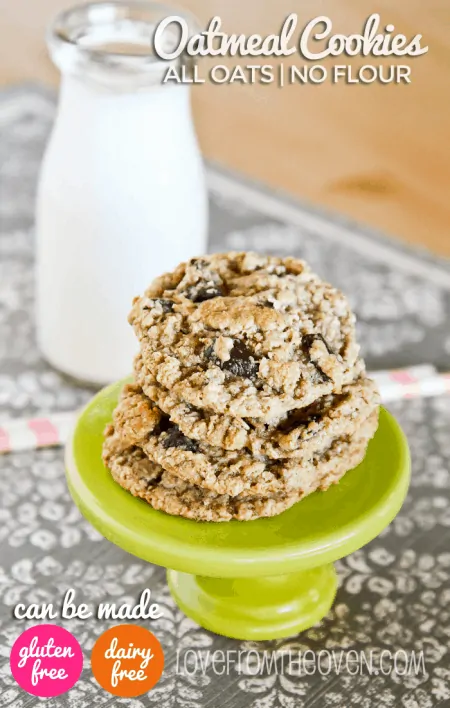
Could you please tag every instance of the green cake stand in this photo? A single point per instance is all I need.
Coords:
(260, 579)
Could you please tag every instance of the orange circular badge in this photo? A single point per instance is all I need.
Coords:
(127, 660)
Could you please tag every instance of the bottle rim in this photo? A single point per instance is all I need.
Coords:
(108, 40)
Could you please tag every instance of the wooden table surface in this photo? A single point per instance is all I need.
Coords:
(378, 153)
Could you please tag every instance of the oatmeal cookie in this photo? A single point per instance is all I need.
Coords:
(299, 433)
(133, 471)
(246, 335)
(138, 421)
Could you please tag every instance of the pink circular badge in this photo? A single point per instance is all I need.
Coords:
(46, 660)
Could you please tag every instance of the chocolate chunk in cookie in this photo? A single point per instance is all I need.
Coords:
(241, 361)
(175, 438)
(308, 341)
(202, 293)
(166, 305)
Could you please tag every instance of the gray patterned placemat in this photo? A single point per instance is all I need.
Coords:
(394, 594)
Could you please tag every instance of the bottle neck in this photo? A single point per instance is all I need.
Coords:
(112, 43)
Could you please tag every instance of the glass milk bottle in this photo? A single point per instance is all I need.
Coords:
(122, 194)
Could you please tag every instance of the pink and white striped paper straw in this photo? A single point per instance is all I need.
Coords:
(27, 434)
(414, 382)
(53, 429)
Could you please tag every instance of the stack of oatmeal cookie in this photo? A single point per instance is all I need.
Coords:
(248, 391)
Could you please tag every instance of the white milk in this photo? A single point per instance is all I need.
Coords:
(121, 199)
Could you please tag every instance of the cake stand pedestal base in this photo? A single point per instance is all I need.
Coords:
(256, 608)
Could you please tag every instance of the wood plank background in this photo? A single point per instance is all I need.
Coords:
(378, 153)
